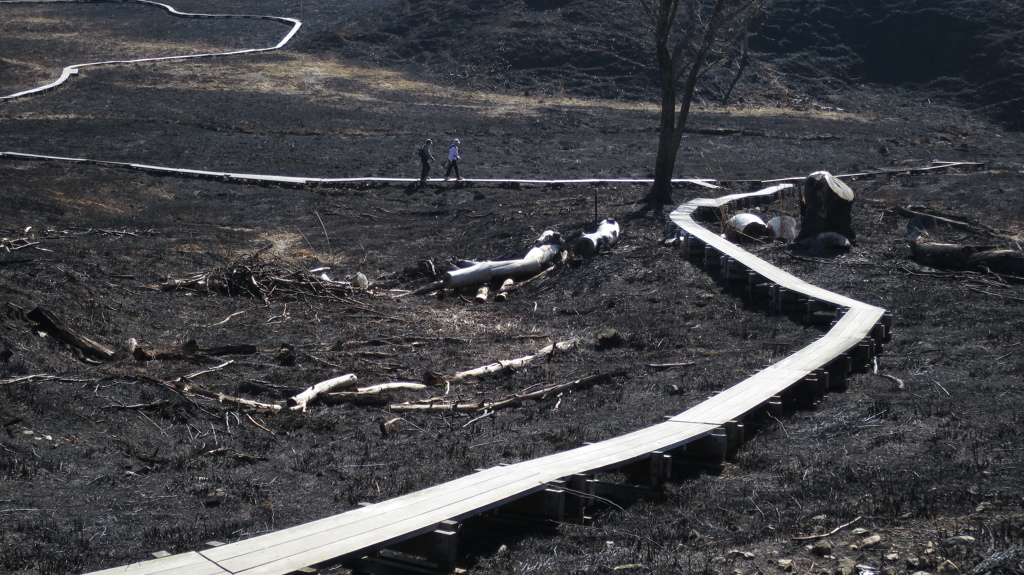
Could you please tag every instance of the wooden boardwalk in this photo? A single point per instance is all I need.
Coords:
(74, 69)
(560, 486)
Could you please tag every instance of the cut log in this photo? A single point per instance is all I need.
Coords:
(481, 294)
(503, 291)
(52, 325)
(1010, 262)
(605, 237)
(950, 256)
(301, 401)
(745, 227)
(961, 257)
(783, 228)
(543, 251)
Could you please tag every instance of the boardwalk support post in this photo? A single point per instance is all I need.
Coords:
(838, 371)
(707, 453)
(578, 496)
(431, 553)
(544, 505)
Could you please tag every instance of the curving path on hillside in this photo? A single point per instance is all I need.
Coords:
(560, 486)
(73, 69)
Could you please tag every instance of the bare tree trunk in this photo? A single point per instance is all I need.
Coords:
(689, 36)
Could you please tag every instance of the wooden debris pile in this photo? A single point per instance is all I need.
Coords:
(265, 278)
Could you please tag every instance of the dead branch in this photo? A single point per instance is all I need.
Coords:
(899, 382)
(513, 401)
(52, 325)
(301, 401)
(390, 386)
(1006, 297)
(512, 364)
(187, 390)
(830, 533)
(671, 365)
(259, 425)
(189, 349)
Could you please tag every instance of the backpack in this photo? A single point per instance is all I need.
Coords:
(422, 153)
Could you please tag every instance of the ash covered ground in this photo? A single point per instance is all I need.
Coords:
(102, 463)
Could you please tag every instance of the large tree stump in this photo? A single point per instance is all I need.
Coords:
(826, 206)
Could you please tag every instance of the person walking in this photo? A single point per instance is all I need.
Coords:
(425, 158)
(453, 161)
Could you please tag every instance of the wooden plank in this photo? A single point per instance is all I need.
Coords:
(420, 512)
(191, 563)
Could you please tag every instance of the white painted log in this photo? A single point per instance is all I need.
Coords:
(301, 400)
(543, 251)
(605, 237)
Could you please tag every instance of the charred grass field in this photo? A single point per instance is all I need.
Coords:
(105, 462)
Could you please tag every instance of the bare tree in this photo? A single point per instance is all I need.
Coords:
(690, 37)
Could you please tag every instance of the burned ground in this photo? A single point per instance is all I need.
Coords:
(104, 463)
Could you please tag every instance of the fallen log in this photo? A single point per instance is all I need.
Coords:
(301, 401)
(512, 364)
(52, 325)
(1010, 262)
(543, 251)
(961, 257)
(189, 349)
(952, 256)
(605, 237)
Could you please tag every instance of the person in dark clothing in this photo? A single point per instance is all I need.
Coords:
(425, 158)
(453, 160)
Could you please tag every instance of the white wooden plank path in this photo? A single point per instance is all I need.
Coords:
(358, 532)
(301, 181)
(73, 69)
